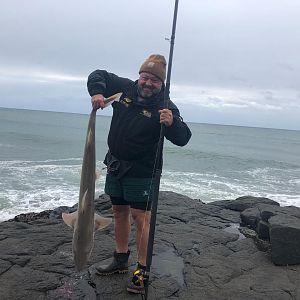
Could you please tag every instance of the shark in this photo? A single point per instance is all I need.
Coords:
(85, 222)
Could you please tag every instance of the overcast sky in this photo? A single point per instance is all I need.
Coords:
(235, 61)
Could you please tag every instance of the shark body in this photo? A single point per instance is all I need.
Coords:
(84, 221)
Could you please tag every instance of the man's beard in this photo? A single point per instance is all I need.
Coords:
(147, 92)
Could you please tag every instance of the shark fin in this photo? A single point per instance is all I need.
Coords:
(101, 222)
(70, 219)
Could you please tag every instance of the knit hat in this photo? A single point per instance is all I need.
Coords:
(156, 65)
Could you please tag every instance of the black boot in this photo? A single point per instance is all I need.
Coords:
(136, 284)
(118, 265)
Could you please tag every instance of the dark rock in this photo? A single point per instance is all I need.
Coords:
(103, 204)
(27, 283)
(262, 245)
(268, 211)
(260, 212)
(4, 266)
(26, 218)
(245, 202)
(263, 230)
(198, 254)
(285, 239)
(250, 217)
(284, 223)
(56, 213)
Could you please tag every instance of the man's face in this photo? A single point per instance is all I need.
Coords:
(149, 85)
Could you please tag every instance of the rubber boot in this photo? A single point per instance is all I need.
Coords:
(118, 265)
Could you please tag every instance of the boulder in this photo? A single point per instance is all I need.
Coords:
(244, 202)
(250, 217)
(285, 239)
(280, 226)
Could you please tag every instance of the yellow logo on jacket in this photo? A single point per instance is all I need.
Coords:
(146, 113)
(126, 101)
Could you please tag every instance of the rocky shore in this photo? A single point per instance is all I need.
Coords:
(200, 252)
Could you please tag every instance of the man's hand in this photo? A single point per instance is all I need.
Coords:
(166, 117)
(97, 101)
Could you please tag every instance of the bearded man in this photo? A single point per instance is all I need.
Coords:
(132, 140)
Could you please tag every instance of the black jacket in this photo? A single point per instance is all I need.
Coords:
(134, 130)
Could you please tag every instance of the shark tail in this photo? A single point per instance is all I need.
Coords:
(101, 222)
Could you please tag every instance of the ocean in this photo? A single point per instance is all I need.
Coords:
(41, 155)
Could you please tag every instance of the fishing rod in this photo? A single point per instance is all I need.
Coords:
(158, 161)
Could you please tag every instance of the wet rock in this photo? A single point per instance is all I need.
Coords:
(199, 253)
(285, 239)
(263, 230)
(242, 203)
(57, 212)
(251, 217)
(26, 218)
(280, 226)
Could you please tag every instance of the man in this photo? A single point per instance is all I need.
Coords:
(132, 140)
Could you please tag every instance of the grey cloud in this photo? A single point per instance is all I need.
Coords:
(233, 53)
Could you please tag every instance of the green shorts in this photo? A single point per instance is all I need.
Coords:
(135, 192)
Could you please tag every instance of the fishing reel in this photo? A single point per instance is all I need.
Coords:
(139, 278)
